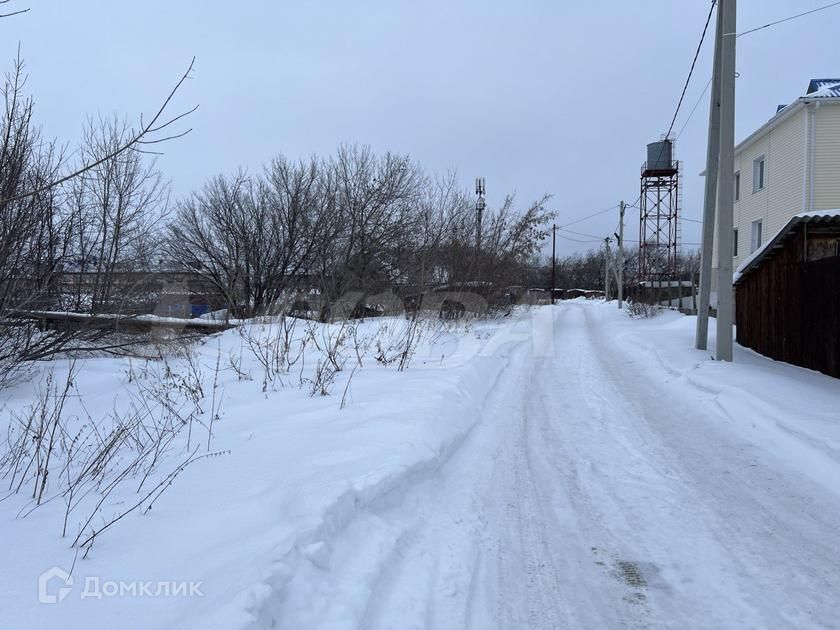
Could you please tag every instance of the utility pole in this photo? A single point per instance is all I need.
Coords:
(621, 257)
(553, 261)
(712, 151)
(607, 269)
(726, 183)
(613, 265)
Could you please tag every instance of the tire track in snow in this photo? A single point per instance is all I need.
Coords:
(588, 495)
(588, 595)
(753, 545)
(336, 598)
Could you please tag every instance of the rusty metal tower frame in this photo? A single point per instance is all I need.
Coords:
(658, 220)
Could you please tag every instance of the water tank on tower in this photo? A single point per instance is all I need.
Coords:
(659, 156)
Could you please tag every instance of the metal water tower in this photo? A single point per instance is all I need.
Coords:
(658, 213)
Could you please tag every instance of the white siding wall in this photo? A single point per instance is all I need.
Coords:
(787, 184)
(781, 198)
(784, 150)
(752, 205)
(827, 158)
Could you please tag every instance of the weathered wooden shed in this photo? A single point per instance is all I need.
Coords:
(787, 294)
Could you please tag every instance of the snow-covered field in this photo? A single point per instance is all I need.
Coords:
(564, 467)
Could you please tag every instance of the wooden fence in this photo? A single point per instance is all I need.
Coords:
(789, 310)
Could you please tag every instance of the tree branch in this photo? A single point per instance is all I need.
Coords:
(4, 15)
(139, 138)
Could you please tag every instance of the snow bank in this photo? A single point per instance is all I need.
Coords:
(291, 472)
(788, 411)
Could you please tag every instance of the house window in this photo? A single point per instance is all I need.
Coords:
(737, 186)
(755, 236)
(758, 174)
(735, 242)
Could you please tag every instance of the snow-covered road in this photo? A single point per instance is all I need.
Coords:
(598, 490)
(564, 467)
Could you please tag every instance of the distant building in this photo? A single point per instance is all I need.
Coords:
(788, 166)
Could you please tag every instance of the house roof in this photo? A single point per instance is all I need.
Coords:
(823, 88)
(755, 259)
(819, 90)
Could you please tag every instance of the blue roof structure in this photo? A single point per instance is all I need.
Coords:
(827, 88)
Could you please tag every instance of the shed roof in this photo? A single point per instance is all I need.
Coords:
(759, 255)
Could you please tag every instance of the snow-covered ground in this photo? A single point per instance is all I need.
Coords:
(565, 467)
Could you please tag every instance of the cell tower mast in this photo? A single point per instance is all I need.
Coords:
(480, 204)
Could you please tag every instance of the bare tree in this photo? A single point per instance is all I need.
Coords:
(377, 201)
(509, 241)
(302, 207)
(114, 213)
(444, 210)
(251, 237)
(346, 222)
(28, 237)
(207, 236)
(358, 226)
(140, 138)
(104, 211)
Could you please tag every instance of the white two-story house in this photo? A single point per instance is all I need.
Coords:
(788, 166)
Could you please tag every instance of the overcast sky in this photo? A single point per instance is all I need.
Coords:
(535, 96)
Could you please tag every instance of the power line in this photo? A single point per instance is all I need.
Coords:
(788, 19)
(579, 233)
(587, 217)
(667, 135)
(687, 82)
(694, 109)
(691, 70)
(752, 30)
(631, 240)
(576, 240)
(685, 89)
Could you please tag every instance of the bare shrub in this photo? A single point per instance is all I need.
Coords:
(273, 342)
(92, 464)
(34, 437)
(331, 345)
(641, 310)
